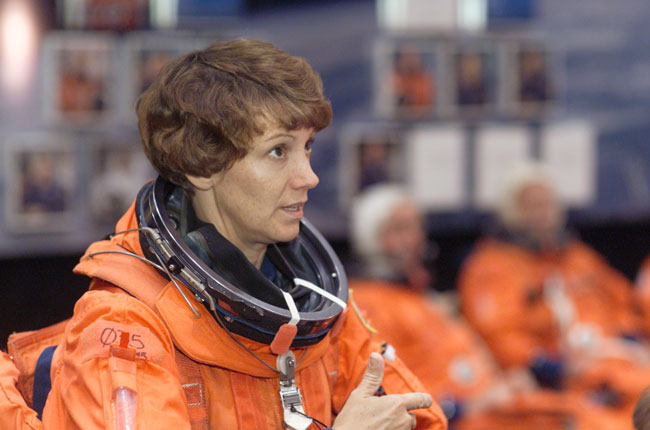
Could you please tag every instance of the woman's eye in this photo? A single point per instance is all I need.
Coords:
(308, 145)
(277, 152)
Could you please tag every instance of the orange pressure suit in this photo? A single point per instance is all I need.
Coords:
(453, 364)
(229, 389)
(14, 412)
(424, 338)
(503, 295)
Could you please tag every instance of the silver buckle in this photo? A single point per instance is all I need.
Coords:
(294, 413)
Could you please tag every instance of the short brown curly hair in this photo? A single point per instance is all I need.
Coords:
(200, 114)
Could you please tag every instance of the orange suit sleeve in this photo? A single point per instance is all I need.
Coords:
(348, 359)
(504, 303)
(84, 374)
(622, 316)
(430, 341)
(14, 412)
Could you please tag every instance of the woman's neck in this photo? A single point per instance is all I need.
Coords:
(207, 211)
(255, 257)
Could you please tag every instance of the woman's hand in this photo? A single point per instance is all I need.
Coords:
(365, 411)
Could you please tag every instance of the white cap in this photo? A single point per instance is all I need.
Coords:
(518, 178)
(370, 210)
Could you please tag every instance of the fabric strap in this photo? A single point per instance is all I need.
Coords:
(315, 288)
(194, 388)
(42, 381)
(291, 304)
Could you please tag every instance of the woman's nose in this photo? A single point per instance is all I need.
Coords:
(304, 176)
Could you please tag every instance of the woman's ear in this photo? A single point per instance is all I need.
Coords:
(202, 183)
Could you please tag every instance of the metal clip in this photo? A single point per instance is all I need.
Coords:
(294, 413)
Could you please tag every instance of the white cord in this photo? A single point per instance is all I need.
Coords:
(315, 288)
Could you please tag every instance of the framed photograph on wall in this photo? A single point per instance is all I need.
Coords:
(535, 75)
(569, 149)
(79, 78)
(437, 167)
(497, 150)
(475, 83)
(118, 15)
(408, 74)
(42, 173)
(369, 154)
(146, 55)
(118, 170)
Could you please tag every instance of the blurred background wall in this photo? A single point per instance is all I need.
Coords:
(70, 72)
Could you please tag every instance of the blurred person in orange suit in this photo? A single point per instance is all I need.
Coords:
(544, 300)
(392, 289)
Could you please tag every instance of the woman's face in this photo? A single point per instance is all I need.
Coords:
(260, 199)
(403, 238)
(539, 210)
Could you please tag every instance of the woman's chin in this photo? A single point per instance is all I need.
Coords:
(287, 234)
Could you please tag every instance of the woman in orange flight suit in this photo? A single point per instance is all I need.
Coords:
(214, 304)
(544, 300)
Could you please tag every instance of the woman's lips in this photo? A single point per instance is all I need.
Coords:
(294, 211)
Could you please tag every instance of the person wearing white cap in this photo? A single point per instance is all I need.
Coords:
(393, 290)
(543, 299)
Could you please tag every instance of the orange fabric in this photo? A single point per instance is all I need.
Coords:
(26, 347)
(629, 379)
(451, 360)
(97, 341)
(446, 355)
(545, 410)
(502, 296)
(194, 386)
(14, 412)
(239, 391)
